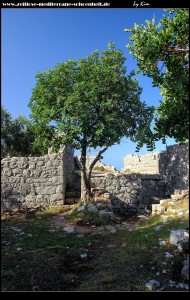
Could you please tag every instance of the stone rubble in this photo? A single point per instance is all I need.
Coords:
(157, 228)
(178, 237)
(162, 243)
(152, 284)
(168, 255)
(110, 228)
(69, 229)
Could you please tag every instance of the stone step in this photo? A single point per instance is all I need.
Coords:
(164, 201)
(171, 203)
(177, 192)
(158, 210)
(73, 194)
(165, 204)
(181, 192)
(185, 192)
(175, 197)
(155, 207)
(72, 200)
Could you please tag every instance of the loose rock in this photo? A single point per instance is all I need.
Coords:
(152, 284)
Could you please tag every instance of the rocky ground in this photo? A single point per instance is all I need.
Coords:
(89, 247)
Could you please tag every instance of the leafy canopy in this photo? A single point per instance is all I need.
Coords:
(90, 100)
(162, 53)
(17, 136)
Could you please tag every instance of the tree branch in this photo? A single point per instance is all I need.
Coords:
(98, 157)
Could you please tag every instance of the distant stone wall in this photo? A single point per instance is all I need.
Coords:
(172, 164)
(131, 192)
(99, 164)
(142, 164)
(31, 182)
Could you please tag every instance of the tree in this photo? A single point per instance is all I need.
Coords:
(17, 136)
(162, 53)
(92, 102)
(6, 136)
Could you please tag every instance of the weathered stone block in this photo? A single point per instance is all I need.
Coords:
(59, 189)
(46, 190)
(56, 197)
(105, 215)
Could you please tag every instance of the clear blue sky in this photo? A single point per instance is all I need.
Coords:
(34, 40)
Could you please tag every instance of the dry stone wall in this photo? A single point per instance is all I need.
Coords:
(42, 181)
(131, 192)
(142, 164)
(33, 182)
(30, 182)
(172, 164)
(99, 164)
(150, 177)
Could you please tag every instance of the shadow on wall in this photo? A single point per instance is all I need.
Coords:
(73, 188)
(131, 192)
(73, 184)
(174, 166)
(10, 200)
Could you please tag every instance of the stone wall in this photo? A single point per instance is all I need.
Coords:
(142, 164)
(131, 192)
(68, 161)
(99, 165)
(42, 181)
(172, 164)
(31, 182)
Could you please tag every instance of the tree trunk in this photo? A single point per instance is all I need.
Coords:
(85, 180)
(85, 187)
(86, 177)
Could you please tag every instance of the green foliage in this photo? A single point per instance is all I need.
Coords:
(17, 136)
(91, 100)
(162, 53)
(6, 137)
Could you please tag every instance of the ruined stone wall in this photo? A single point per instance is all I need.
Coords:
(41, 181)
(131, 192)
(172, 164)
(99, 165)
(142, 164)
(31, 182)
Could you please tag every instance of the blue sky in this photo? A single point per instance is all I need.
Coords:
(34, 40)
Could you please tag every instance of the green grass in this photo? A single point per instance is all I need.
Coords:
(47, 259)
(123, 261)
(131, 265)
